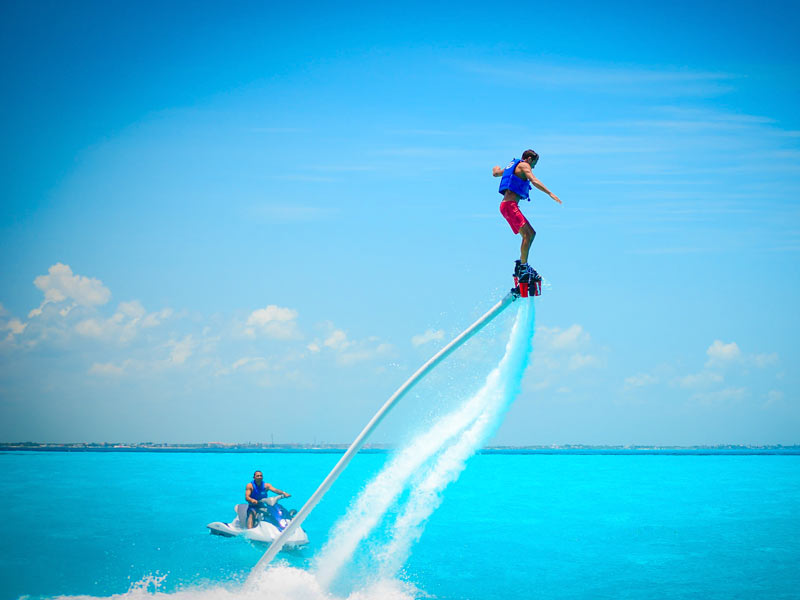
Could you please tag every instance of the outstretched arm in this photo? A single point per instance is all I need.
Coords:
(540, 186)
(275, 490)
(526, 168)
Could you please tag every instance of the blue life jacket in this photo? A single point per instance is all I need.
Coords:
(258, 492)
(509, 181)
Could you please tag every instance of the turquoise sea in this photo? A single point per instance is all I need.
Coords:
(549, 526)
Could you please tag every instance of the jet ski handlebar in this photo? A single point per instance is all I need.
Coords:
(272, 500)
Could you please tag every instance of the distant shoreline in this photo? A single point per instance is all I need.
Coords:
(213, 447)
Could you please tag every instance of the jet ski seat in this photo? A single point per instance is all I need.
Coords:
(241, 512)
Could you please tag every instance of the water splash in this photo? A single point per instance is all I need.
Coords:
(434, 458)
(278, 582)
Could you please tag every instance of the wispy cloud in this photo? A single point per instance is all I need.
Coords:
(570, 144)
(106, 369)
(422, 152)
(346, 351)
(423, 132)
(125, 324)
(703, 379)
(14, 327)
(695, 119)
(181, 350)
(279, 130)
(305, 177)
(251, 364)
(727, 375)
(431, 335)
(640, 380)
(555, 338)
(274, 322)
(697, 114)
(346, 168)
(605, 79)
(559, 353)
(719, 397)
(290, 212)
(676, 250)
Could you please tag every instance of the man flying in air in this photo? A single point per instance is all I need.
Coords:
(515, 184)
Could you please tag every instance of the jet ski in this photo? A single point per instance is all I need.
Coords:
(271, 519)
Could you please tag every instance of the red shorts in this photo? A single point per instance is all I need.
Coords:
(510, 210)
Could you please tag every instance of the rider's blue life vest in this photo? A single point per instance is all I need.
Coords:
(509, 181)
(258, 492)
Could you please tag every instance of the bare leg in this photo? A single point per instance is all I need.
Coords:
(249, 520)
(527, 233)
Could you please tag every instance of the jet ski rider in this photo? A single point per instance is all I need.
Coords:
(256, 491)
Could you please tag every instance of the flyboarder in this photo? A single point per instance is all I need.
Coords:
(515, 184)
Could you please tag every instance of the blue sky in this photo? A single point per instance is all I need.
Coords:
(253, 224)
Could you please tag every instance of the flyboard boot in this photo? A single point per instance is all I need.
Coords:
(526, 280)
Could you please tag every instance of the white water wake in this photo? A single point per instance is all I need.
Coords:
(279, 582)
(432, 459)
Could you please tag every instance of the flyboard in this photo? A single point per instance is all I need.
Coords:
(523, 286)
(527, 282)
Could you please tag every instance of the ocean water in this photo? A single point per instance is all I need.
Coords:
(512, 526)
(432, 519)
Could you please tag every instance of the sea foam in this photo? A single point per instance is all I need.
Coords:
(277, 582)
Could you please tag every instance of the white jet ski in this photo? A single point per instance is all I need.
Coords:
(271, 520)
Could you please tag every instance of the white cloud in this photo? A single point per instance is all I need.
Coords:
(251, 363)
(713, 383)
(609, 79)
(640, 380)
(274, 322)
(14, 327)
(720, 353)
(699, 380)
(155, 319)
(554, 338)
(132, 309)
(106, 369)
(578, 361)
(560, 355)
(181, 350)
(431, 335)
(124, 324)
(337, 340)
(367, 350)
(764, 360)
(537, 385)
(91, 328)
(61, 284)
(346, 351)
(773, 397)
(721, 396)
